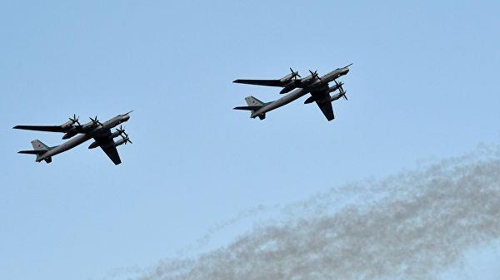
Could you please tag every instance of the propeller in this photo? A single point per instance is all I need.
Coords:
(295, 74)
(95, 121)
(315, 74)
(74, 119)
(341, 89)
(126, 140)
(343, 94)
(121, 130)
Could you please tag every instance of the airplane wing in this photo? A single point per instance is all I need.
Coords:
(112, 153)
(327, 109)
(107, 144)
(324, 103)
(49, 128)
(270, 83)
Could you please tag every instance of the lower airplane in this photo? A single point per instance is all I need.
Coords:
(100, 132)
(317, 86)
(259, 108)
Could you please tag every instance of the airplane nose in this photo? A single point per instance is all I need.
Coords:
(126, 117)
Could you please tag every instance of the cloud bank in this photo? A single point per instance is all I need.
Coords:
(409, 226)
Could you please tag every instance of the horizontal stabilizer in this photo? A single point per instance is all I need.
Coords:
(39, 149)
(32, 152)
(248, 108)
(254, 105)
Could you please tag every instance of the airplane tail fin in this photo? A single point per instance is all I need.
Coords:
(254, 104)
(39, 148)
(39, 145)
(252, 101)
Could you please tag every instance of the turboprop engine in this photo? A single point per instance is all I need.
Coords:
(119, 132)
(330, 89)
(122, 141)
(70, 127)
(72, 132)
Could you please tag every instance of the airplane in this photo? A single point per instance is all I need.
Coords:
(317, 86)
(100, 132)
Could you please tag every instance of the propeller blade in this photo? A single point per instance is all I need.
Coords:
(315, 74)
(121, 130)
(344, 95)
(74, 119)
(126, 140)
(339, 85)
(341, 89)
(95, 121)
(295, 74)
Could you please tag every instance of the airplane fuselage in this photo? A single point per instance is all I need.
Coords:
(70, 144)
(298, 93)
(294, 95)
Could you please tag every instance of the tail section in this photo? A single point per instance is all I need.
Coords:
(39, 149)
(252, 101)
(254, 104)
(39, 145)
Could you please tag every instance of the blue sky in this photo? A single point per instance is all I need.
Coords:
(423, 87)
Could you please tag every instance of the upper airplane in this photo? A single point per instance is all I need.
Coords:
(101, 132)
(317, 86)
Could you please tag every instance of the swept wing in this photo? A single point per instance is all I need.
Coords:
(49, 128)
(283, 82)
(112, 153)
(65, 127)
(323, 100)
(107, 144)
(327, 109)
(270, 83)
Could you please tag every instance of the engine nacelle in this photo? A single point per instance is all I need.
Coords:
(120, 142)
(334, 88)
(88, 126)
(70, 133)
(67, 124)
(311, 99)
(288, 88)
(338, 96)
(94, 145)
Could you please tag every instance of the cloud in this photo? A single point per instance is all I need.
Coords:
(409, 226)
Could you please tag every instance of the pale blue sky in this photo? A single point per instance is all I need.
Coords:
(424, 86)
